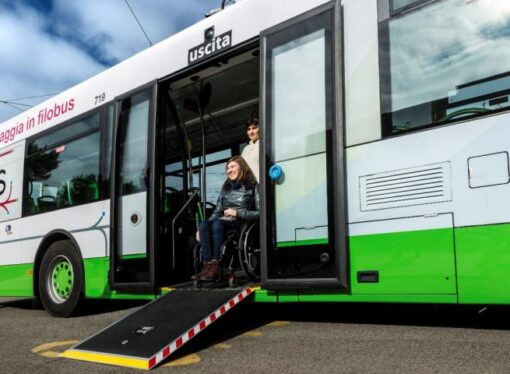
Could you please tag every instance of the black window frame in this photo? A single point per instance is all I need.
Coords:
(107, 133)
(404, 8)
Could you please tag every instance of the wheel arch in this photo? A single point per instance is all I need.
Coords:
(46, 242)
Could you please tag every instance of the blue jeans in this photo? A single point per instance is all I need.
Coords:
(211, 244)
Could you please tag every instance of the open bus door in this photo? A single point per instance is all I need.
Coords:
(132, 261)
(304, 243)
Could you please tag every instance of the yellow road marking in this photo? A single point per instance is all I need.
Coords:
(40, 349)
(167, 289)
(278, 323)
(223, 346)
(186, 360)
(50, 354)
(253, 333)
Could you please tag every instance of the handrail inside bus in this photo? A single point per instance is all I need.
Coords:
(190, 199)
(203, 96)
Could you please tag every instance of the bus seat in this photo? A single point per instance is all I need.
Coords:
(94, 190)
(46, 203)
(84, 190)
(64, 194)
(173, 201)
(30, 206)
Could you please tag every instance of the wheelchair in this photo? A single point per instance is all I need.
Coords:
(239, 251)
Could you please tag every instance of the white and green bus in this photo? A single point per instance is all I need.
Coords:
(385, 172)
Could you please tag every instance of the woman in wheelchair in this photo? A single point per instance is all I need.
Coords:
(238, 203)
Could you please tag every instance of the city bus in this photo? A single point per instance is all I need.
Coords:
(384, 158)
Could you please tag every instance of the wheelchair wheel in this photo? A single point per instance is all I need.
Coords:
(197, 259)
(249, 251)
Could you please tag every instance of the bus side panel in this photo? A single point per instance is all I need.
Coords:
(483, 255)
(16, 280)
(11, 181)
(96, 268)
(419, 258)
(88, 224)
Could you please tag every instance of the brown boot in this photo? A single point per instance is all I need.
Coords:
(212, 273)
(205, 269)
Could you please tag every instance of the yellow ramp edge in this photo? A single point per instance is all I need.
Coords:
(106, 359)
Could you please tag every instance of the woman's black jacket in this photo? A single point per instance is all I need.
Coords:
(244, 199)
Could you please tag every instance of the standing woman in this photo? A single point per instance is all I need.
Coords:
(238, 202)
(251, 151)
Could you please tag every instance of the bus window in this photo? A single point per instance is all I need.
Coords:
(215, 172)
(63, 134)
(62, 172)
(445, 61)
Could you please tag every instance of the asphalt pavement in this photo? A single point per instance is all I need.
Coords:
(287, 338)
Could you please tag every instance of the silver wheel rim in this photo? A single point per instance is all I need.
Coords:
(60, 279)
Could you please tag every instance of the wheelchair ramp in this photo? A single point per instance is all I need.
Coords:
(151, 334)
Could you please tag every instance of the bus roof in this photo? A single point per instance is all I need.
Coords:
(244, 21)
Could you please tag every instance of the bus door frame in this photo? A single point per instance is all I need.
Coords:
(338, 217)
(151, 183)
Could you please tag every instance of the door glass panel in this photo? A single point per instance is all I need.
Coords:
(301, 213)
(133, 148)
(299, 97)
(299, 119)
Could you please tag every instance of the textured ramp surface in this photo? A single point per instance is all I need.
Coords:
(158, 329)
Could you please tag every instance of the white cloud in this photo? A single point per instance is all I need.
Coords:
(48, 53)
(113, 24)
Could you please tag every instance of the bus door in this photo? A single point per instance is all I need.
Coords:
(303, 244)
(132, 238)
(178, 199)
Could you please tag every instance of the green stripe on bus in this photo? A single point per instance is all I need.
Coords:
(97, 283)
(418, 262)
(134, 256)
(467, 265)
(299, 243)
(483, 261)
(16, 280)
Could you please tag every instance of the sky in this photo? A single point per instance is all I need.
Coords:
(47, 46)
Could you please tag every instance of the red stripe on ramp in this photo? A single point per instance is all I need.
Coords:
(191, 333)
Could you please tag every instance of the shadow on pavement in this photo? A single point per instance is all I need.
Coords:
(87, 307)
(472, 316)
(252, 316)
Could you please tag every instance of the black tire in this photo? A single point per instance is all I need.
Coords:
(61, 279)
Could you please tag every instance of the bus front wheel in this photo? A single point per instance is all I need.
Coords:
(60, 279)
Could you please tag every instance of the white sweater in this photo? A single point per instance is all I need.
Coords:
(251, 156)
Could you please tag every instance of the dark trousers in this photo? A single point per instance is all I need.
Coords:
(211, 244)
